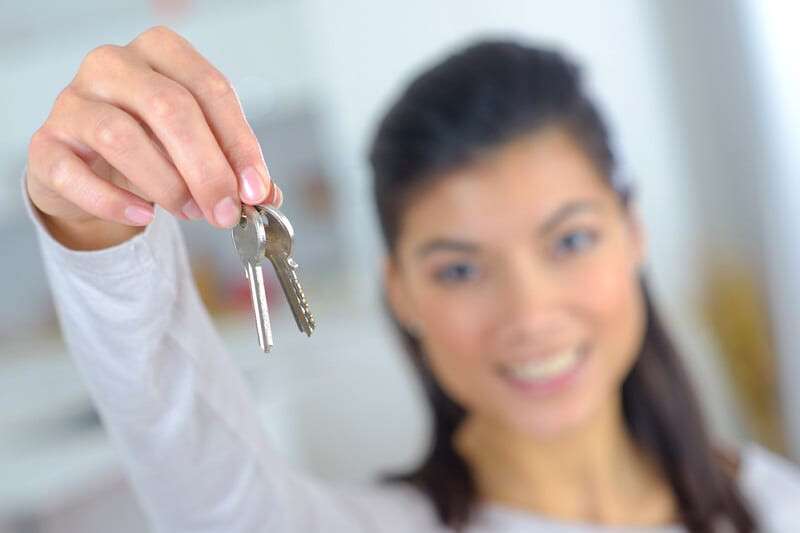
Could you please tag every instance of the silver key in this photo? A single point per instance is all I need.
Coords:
(280, 236)
(250, 239)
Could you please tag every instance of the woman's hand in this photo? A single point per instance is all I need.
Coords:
(149, 122)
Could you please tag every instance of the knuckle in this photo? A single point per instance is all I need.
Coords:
(102, 56)
(36, 140)
(65, 96)
(59, 174)
(155, 34)
(160, 30)
(216, 85)
(38, 152)
(115, 132)
(170, 102)
(174, 195)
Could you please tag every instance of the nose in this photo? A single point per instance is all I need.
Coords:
(531, 305)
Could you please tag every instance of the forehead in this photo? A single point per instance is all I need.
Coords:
(508, 190)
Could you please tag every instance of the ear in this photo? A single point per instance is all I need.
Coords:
(397, 294)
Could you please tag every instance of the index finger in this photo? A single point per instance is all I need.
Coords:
(219, 103)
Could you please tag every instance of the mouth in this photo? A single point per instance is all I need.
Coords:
(546, 375)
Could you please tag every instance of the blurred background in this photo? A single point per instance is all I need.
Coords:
(702, 99)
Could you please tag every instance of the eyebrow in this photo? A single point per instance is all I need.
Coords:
(455, 245)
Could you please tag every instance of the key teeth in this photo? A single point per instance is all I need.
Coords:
(298, 295)
(302, 302)
(298, 289)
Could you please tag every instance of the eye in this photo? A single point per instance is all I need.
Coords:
(576, 241)
(456, 273)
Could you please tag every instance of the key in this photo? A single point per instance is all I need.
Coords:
(280, 236)
(250, 239)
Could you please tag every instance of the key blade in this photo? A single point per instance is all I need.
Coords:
(278, 249)
(285, 270)
(255, 274)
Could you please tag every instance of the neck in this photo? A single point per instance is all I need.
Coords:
(593, 474)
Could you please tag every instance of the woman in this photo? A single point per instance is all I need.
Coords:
(514, 272)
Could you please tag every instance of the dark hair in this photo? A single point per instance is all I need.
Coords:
(473, 101)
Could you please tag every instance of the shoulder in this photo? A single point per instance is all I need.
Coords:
(768, 471)
(771, 484)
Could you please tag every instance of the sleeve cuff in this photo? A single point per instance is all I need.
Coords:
(142, 250)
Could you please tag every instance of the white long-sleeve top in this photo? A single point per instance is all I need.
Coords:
(185, 425)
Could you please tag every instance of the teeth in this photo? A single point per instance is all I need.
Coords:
(545, 369)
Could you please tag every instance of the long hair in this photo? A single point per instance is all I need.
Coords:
(471, 102)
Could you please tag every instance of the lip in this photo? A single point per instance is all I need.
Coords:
(551, 386)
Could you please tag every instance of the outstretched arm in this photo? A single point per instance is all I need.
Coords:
(170, 397)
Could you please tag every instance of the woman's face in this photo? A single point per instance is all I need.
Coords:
(520, 274)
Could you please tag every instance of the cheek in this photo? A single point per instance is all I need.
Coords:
(452, 342)
(610, 296)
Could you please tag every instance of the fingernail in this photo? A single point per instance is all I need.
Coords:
(226, 212)
(253, 185)
(278, 200)
(192, 210)
(138, 215)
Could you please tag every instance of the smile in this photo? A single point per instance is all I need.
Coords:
(547, 374)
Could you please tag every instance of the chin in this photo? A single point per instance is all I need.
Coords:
(553, 423)
(565, 411)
